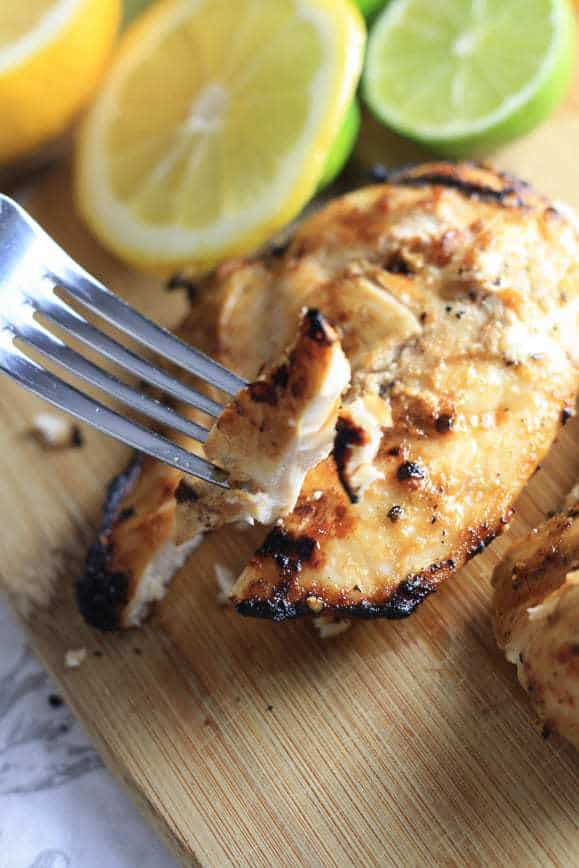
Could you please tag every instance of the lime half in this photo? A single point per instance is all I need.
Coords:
(369, 8)
(343, 145)
(464, 76)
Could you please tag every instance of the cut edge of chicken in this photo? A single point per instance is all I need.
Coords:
(271, 434)
(536, 610)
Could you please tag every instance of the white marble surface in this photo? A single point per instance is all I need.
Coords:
(59, 806)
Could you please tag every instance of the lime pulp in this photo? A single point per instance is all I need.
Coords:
(465, 77)
(369, 8)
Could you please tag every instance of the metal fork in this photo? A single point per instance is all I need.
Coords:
(32, 266)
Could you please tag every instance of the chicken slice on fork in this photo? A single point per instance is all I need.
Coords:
(271, 434)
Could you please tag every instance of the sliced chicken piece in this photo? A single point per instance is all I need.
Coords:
(359, 431)
(267, 439)
(138, 525)
(455, 291)
(135, 555)
(536, 609)
(270, 435)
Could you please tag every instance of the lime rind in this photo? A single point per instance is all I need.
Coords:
(343, 145)
(517, 114)
(370, 8)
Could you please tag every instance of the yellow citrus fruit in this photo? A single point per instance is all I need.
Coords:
(214, 125)
(52, 53)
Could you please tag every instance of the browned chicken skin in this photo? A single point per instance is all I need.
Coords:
(455, 292)
(270, 435)
(536, 609)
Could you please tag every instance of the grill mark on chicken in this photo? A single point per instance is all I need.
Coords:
(279, 249)
(185, 493)
(347, 435)
(566, 414)
(280, 376)
(409, 594)
(549, 553)
(276, 608)
(288, 551)
(444, 423)
(126, 514)
(317, 329)
(478, 539)
(267, 392)
(466, 187)
(181, 281)
(263, 393)
(479, 547)
(396, 263)
(101, 593)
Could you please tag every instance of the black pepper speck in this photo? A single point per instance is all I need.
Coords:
(410, 470)
(395, 513)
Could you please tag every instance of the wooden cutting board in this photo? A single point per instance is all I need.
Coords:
(246, 743)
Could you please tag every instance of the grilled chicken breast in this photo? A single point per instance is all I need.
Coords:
(270, 435)
(536, 609)
(455, 293)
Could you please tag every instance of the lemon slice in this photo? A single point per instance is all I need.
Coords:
(214, 126)
(52, 53)
(463, 76)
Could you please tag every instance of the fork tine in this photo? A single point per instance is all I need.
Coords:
(71, 400)
(58, 313)
(113, 309)
(85, 288)
(54, 349)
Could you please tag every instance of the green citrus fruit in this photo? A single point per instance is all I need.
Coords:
(464, 77)
(343, 145)
(369, 8)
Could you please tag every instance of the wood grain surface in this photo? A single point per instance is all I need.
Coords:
(246, 743)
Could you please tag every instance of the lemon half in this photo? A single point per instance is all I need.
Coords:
(52, 54)
(214, 125)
